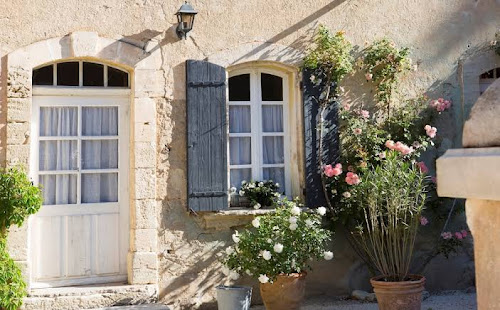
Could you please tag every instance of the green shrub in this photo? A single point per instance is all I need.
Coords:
(19, 198)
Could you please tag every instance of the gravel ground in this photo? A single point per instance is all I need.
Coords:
(455, 301)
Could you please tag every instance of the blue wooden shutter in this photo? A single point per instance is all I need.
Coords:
(311, 94)
(207, 136)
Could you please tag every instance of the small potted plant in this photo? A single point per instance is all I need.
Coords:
(277, 250)
(392, 197)
(260, 193)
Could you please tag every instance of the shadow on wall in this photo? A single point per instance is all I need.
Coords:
(3, 111)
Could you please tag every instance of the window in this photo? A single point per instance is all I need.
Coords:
(258, 140)
(487, 78)
(80, 73)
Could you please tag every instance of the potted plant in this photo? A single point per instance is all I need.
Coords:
(259, 193)
(277, 250)
(392, 197)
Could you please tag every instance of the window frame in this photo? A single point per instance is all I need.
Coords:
(256, 136)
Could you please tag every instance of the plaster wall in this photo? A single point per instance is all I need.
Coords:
(441, 34)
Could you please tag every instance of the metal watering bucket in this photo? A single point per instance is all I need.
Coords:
(234, 297)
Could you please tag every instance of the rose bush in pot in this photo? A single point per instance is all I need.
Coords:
(277, 250)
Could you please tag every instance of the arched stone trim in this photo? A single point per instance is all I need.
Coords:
(258, 51)
(144, 67)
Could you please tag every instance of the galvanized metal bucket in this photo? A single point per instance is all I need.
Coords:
(234, 297)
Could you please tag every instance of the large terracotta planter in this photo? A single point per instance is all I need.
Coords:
(286, 293)
(404, 295)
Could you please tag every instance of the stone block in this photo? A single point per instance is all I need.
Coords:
(461, 173)
(145, 132)
(18, 155)
(144, 110)
(151, 60)
(145, 183)
(142, 268)
(149, 83)
(18, 133)
(144, 154)
(19, 109)
(18, 82)
(129, 54)
(17, 242)
(144, 240)
(144, 215)
(84, 44)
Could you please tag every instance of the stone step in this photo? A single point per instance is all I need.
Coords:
(137, 307)
(92, 297)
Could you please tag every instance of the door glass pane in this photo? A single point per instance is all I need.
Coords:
(58, 155)
(117, 78)
(272, 87)
(239, 175)
(239, 88)
(100, 154)
(93, 74)
(239, 119)
(240, 151)
(99, 187)
(272, 150)
(100, 121)
(68, 73)
(58, 189)
(277, 175)
(272, 118)
(44, 75)
(58, 121)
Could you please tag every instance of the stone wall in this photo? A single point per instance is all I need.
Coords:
(443, 35)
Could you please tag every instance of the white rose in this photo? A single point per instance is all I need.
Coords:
(328, 255)
(251, 185)
(269, 241)
(321, 211)
(261, 184)
(278, 248)
(263, 278)
(277, 185)
(346, 195)
(233, 275)
(257, 206)
(242, 193)
(229, 250)
(292, 220)
(236, 237)
(243, 182)
(248, 272)
(295, 210)
(256, 222)
(293, 226)
(266, 255)
(277, 194)
(309, 223)
(233, 190)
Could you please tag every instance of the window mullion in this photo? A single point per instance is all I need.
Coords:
(256, 139)
(80, 73)
(79, 157)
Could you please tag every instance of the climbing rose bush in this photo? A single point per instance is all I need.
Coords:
(283, 242)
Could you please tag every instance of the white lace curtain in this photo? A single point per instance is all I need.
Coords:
(272, 146)
(59, 157)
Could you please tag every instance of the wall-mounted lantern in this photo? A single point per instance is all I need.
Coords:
(185, 18)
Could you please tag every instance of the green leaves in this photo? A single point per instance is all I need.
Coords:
(12, 286)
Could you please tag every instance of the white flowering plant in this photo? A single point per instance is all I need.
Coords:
(282, 242)
(260, 193)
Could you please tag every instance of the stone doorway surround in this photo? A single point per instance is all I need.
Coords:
(474, 173)
(147, 83)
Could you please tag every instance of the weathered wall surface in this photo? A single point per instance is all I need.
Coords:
(442, 35)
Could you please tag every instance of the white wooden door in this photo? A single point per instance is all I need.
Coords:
(80, 158)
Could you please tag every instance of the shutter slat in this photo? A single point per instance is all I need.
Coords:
(311, 93)
(207, 136)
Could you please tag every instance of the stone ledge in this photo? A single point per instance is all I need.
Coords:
(225, 219)
(469, 173)
(138, 307)
(90, 297)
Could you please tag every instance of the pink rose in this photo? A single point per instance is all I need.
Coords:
(458, 235)
(446, 235)
(357, 131)
(430, 131)
(365, 114)
(330, 171)
(368, 76)
(389, 144)
(381, 155)
(352, 178)
(464, 233)
(422, 167)
(423, 221)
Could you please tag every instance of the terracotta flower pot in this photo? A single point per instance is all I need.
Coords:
(404, 295)
(286, 293)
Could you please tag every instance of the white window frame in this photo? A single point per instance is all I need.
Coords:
(256, 104)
